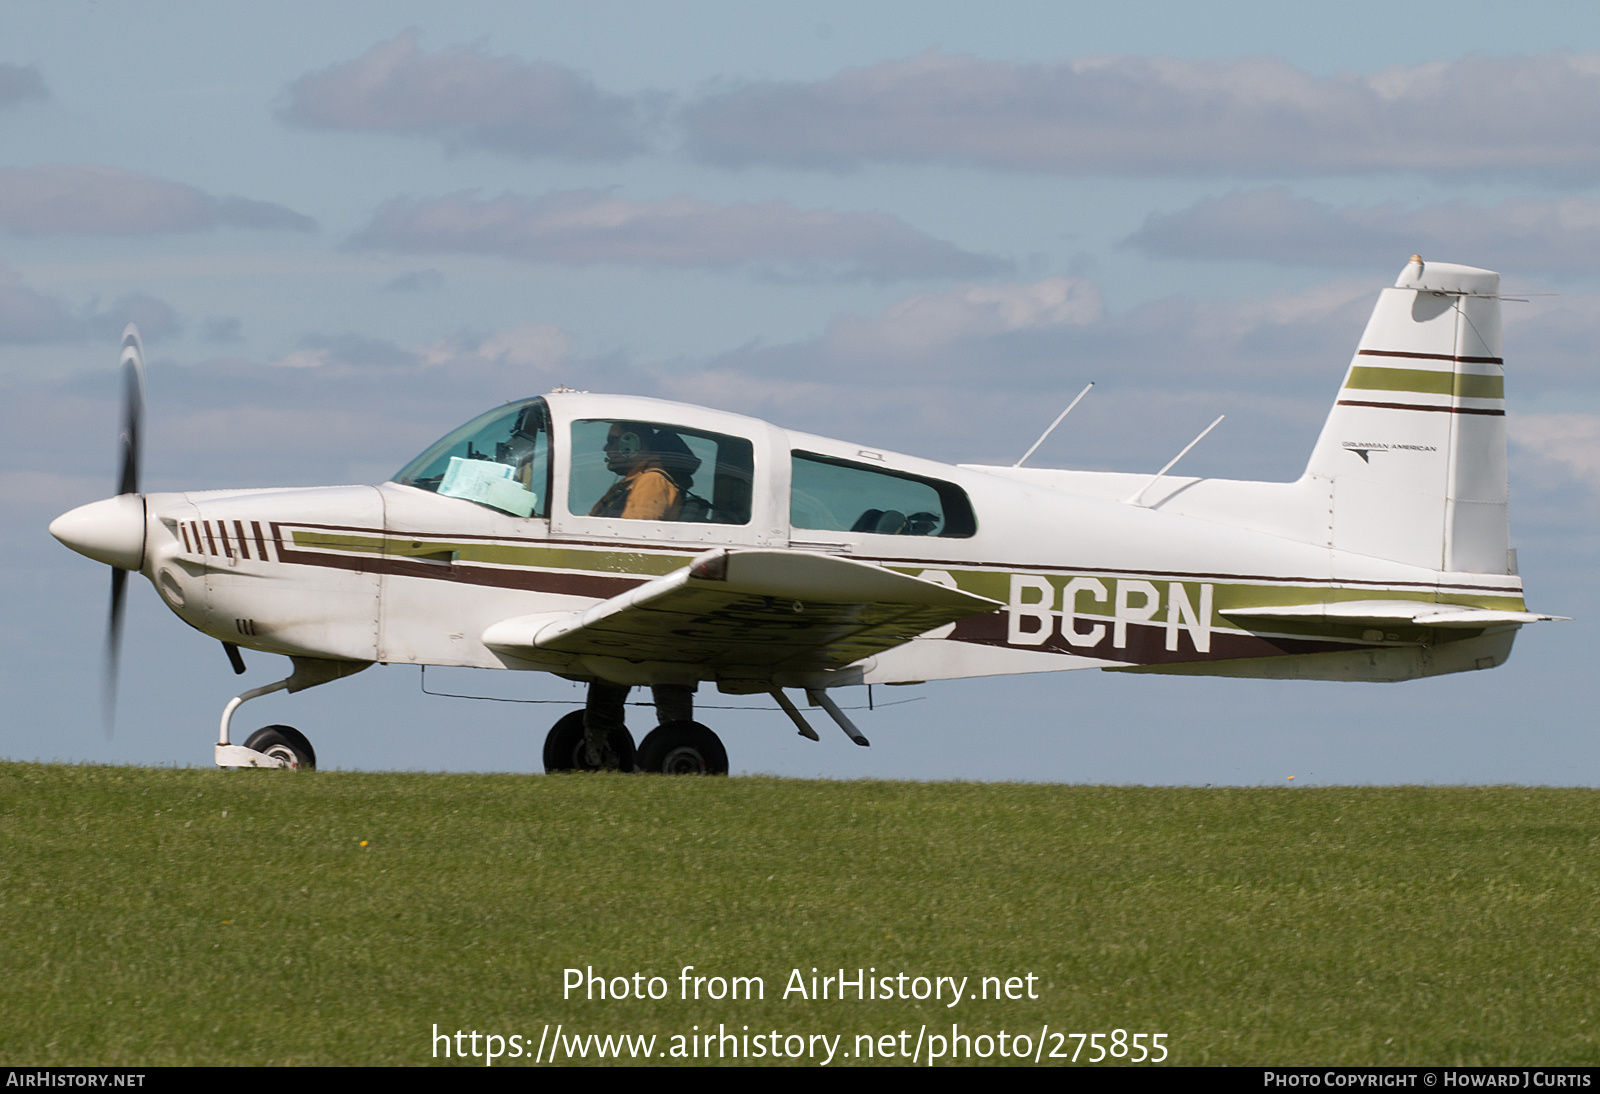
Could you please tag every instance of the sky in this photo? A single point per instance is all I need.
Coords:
(345, 229)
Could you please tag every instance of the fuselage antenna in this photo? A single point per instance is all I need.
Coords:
(1134, 500)
(1053, 424)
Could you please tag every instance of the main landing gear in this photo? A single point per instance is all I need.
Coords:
(566, 750)
(677, 748)
(683, 748)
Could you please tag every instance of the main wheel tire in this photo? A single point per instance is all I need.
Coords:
(683, 748)
(284, 743)
(566, 750)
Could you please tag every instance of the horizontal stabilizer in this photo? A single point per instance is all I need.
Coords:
(755, 610)
(1405, 612)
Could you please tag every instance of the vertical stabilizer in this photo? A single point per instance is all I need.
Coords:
(1414, 450)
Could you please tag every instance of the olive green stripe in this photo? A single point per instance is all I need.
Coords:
(504, 554)
(1226, 596)
(1421, 381)
(338, 541)
(994, 584)
(1471, 385)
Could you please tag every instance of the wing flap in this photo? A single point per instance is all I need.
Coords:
(754, 610)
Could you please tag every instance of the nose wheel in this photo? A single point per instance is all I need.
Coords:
(285, 744)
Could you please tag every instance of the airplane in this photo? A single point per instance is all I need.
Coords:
(790, 562)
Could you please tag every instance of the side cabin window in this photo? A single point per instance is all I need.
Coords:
(834, 495)
(649, 471)
(500, 459)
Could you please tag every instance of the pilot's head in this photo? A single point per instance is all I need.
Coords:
(626, 444)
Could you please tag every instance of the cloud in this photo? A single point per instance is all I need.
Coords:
(98, 200)
(935, 321)
(236, 212)
(30, 318)
(1020, 337)
(222, 330)
(1271, 225)
(347, 353)
(469, 99)
(429, 280)
(20, 83)
(156, 318)
(1126, 115)
(583, 227)
(536, 346)
(529, 348)
(977, 372)
(1572, 440)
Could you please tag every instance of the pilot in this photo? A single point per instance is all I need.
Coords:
(657, 469)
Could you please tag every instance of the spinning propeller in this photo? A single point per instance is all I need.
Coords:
(112, 531)
(130, 445)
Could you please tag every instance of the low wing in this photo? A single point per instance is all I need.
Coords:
(758, 610)
(1408, 612)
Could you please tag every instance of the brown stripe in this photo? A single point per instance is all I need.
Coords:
(1186, 575)
(1430, 356)
(210, 539)
(261, 540)
(222, 534)
(437, 572)
(244, 544)
(1414, 406)
(598, 586)
(184, 528)
(1147, 642)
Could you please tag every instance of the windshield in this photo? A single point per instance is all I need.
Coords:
(500, 459)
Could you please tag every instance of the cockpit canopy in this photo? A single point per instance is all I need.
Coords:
(619, 468)
(658, 471)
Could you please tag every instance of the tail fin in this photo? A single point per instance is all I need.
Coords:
(1415, 449)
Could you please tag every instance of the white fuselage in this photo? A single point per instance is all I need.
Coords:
(397, 574)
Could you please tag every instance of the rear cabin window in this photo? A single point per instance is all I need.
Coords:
(634, 470)
(834, 495)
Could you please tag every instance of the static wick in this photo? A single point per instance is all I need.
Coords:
(1134, 500)
(1059, 418)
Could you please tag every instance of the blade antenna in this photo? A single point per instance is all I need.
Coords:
(1059, 418)
(1134, 500)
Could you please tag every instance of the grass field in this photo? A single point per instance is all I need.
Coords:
(193, 916)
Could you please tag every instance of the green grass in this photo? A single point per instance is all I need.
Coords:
(190, 916)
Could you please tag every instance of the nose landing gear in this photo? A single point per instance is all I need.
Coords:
(278, 745)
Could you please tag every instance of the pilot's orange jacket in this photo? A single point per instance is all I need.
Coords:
(645, 493)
